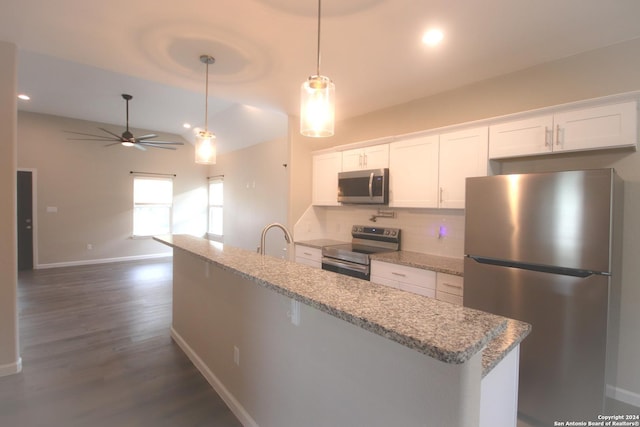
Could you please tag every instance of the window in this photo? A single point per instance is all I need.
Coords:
(216, 201)
(152, 204)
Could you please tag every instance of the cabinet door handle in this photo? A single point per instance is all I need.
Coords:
(449, 285)
(548, 134)
(441, 195)
(558, 135)
(366, 160)
(307, 253)
(361, 160)
(398, 274)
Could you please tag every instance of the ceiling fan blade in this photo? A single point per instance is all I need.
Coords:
(90, 139)
(150, 135)
(111, 133)
(162, 142)
(89, 134)
(112, 144)
(158, 146)
(139, 147)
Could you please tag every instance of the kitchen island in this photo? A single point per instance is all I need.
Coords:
(289, 345)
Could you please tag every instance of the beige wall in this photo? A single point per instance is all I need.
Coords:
(607, 71)
(255, 194)
(9, 350)
(91, 187)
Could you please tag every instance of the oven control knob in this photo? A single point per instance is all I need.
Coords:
(393, 233)
(386, 232)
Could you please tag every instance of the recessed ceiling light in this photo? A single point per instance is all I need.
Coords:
(187, 126)
(432, 37)
(24, 97)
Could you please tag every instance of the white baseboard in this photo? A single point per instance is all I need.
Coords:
(11, 368)
(103, 260)
(233, 404)
(623, 395)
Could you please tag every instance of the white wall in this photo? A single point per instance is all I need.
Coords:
(256, 193)
(92, 189)
(9, 349)
(607, 71)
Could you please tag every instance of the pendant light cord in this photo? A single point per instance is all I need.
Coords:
(206, 100)
(318, 61)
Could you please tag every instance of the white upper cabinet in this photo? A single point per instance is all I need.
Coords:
(600, 127)
(521, 137)
(324, 190)
(373, 157)
(413, 172)
(463, 154)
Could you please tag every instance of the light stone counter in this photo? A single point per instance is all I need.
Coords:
(320, 243)
(435, 263)
(443, 331)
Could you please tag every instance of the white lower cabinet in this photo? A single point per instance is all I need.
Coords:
(309, 256)
(416, 280)
(449, 288)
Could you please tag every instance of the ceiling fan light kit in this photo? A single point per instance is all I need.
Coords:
(317, 100)
(127, 139)
(205, 140)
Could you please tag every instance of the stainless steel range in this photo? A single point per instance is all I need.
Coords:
(353, 258)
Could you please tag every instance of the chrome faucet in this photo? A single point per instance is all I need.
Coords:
(287, 235)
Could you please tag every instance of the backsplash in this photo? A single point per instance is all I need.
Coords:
(431, 231)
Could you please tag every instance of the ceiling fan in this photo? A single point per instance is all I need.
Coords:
(127, 139)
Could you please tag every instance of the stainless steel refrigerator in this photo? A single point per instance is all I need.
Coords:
(545, 248)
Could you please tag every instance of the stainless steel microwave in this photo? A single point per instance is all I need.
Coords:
(369, 186)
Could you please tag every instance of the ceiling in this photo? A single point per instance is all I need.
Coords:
(76, 57)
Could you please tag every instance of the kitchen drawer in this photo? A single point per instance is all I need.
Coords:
(409, 279)
(449, 283)
(309, 256)
(449, 288)
(453, 299)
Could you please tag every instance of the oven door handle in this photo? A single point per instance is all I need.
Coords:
(346, 264)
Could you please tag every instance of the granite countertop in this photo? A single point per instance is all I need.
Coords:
(444, 331)
(436, 263)
(320, 243)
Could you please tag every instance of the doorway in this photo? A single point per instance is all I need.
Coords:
(25, 219)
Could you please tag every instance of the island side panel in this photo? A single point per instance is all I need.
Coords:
(322, 372)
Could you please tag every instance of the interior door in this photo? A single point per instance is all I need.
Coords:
(25, 220)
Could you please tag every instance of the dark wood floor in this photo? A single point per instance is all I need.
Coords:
(96, 352)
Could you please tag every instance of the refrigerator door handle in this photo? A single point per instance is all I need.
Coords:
(534, 267)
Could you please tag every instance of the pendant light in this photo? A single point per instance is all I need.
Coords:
(317, 100)
(205, 140)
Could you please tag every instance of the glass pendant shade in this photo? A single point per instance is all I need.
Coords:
(206, 148)
(317, 107)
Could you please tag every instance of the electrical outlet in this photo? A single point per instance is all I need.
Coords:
(89, 246)
(236, 355)
(295, 312)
